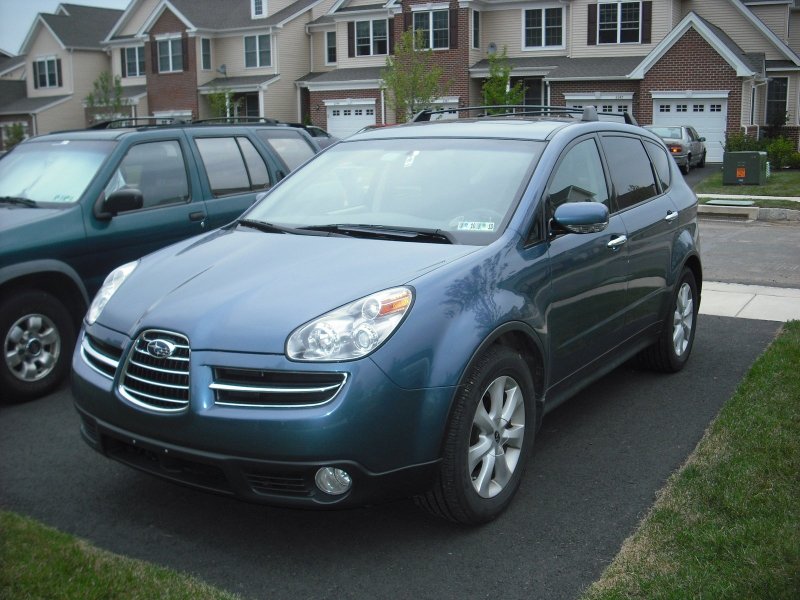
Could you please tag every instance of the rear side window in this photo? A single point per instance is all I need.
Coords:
(631, 171)
(289, 145)
(233, 165)
(661, 161)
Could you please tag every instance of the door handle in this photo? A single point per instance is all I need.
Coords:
(197, 216)
(616, 243)
(671, 215)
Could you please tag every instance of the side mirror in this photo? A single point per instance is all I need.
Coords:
(580, 217)
(702, 139)
(122, 200)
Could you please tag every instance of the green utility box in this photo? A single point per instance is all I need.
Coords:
(748, 168)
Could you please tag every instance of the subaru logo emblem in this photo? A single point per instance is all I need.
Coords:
(160, 348)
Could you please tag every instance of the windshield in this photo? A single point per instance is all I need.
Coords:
(667, 132)
(51, 171)
(467, 188)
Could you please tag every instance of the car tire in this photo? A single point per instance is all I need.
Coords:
(688, 166)
(702, 162)
(488, 440)
(38, 335)
(671, 352)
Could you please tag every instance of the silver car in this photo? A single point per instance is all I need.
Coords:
(685, 145)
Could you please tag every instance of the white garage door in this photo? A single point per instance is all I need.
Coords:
(345, 120)
(707, 115)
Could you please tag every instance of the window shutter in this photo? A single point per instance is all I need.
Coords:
(391, 36)
(453, 42)
(185, 52)
(591, 37)
(154, 56)
(35, 75)
(124, 67)
(351, 39)
(59, 83)
(647, 21)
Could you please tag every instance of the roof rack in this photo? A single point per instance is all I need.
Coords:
(588, 113)
(135, 122)
(237, 120)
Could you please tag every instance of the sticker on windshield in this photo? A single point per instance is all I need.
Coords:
(475, 226)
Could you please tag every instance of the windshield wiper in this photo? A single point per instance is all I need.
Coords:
(18, 200)
(407, 234)
(273, 228)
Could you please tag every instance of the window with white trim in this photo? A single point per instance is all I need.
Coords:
(435, 28)
(47, 72)
(698, 107)
(330, 47)
(544, 27)
(715, 108)
(372, 37)
(133, 62)
(681, 108)
(619, 22)
(777, 93)
(258, 9)
(476, 29)
(170, 55)
(257, 51)
(205, 54)
(664, 108)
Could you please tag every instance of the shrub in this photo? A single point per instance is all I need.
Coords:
(780, 151)
(794, 160)
(738, 142)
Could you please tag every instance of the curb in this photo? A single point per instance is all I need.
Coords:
(750, 213)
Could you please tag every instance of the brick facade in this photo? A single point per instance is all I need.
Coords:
(171, 91)
(559, 88)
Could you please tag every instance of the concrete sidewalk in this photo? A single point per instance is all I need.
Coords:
(750, 301)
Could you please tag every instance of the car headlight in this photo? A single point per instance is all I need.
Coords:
(110, 286)
(353, 330)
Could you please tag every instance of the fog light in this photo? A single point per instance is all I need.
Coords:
(333, 481)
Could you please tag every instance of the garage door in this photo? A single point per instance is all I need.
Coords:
(707, 115)
(345, 120)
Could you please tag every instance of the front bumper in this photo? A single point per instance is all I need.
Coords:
(387, 438)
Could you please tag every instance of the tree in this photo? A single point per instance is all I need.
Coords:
(106, 97)
(15, 133)
(221, 103)
(411, 77)
(497, 89)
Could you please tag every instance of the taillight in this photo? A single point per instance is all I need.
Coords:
(675, 149)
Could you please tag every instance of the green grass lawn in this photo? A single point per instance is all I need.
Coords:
(727, 524)
(780, 183)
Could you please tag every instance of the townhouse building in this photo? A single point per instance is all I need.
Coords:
(722, 66)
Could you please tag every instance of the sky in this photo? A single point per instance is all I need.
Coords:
(17, 16)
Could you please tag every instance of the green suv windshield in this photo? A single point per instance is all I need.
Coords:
(465, 188)
(51, 171)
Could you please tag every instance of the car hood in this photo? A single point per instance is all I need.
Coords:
(13, 216)
(246, 291)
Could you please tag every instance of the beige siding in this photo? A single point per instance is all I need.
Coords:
(736, 25)
(662, 24)
(319, 47)
(347, 62)
(67, 115)
(229, 51)
(43, 46)
(86, 67)
(774, 16)
(116, 69)
(323, 8)
(15, 74)
(747, 86)
(204, 76)
(504, 28)
(281, 100)
(794, 31)
(137, 18)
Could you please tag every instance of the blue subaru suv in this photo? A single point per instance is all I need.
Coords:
(396, 316)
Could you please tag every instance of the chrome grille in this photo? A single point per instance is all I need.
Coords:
(259, 388)
(157, 382)
(100, 356)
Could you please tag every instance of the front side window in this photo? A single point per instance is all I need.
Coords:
(435, 28)
(157, 170)
(133, 62)
(330, 47)
(579, 177)
(467, 188)
(544, 27)
(372, 37)
(257, 51)
(52, 171)
(290, 146)
(47, 73)
(777, 89)
(233, 165)
(619, 23)
(205, 54)
(630, 170)
(170, 55)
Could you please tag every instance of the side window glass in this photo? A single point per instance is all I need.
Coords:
(290, 146)
(661, 161)
(156, 169)
(259, 175)
(579, 177)
(227, 173)
(630, 170)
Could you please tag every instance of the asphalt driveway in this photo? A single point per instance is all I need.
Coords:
(598, 464)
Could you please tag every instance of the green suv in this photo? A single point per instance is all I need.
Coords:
(75, 205)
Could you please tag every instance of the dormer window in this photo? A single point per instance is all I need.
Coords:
(47, 73)
(258, 9)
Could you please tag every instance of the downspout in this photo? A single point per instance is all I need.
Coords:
(383, 107)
